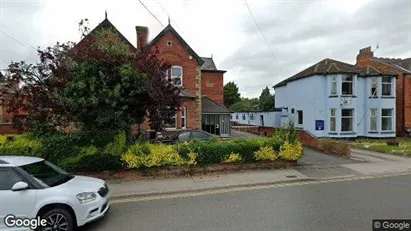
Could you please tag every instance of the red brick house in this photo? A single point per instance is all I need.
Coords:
(402, 67)
(200, 81)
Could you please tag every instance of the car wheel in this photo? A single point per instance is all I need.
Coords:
(58, 219)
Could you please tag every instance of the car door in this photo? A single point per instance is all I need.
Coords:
(200, 136)
(17, 203)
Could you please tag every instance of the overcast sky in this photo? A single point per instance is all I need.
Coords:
(300, 33)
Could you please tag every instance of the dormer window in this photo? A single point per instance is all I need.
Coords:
(177, 75)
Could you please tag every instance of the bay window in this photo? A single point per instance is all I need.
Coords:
(171, 120)
(386, 119)
(183, 117)
(347, 120)
(347, 85)
(386, 86)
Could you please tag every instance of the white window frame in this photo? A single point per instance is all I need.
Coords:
(244, 117)
(184, 117)
(385, 117)
(345, 117)
(333, 85)
(374, 82)
(175, 123)
(386, 83)
(175, 77)
(236, 116)
(373, 119)
(335, 119)
(345, 81)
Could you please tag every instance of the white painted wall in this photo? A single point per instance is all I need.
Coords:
(270, 118)
(312, 95)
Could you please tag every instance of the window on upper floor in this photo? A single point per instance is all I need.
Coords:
(333, 85)
(333, 122)
(347, 85)
(373, 119)
(177, 75)
(386, 119)
(386, 86)
(347, 120)
(251, 116)
(374, 86)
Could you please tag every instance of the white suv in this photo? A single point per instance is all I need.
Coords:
(32, 187)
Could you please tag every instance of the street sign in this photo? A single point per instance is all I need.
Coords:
(319, 125)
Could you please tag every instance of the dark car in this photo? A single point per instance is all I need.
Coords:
(186, 135)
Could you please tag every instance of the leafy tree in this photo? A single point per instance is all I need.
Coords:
(245, 105)
(100, 83)
(266, 100)
(231, 94)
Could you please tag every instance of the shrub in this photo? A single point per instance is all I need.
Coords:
(92, 162)
(20, 145)
(59, 146)
(192, 158)
(265, 153)
(162, 155)
(234, 157)
(291, 151)
(133, 161)
(183, 149)
(117, 146)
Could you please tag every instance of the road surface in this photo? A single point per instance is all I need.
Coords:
(329, 205)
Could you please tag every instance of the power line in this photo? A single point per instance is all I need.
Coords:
(262, 34)
(151, 13)
(17, 41)
(165, 11)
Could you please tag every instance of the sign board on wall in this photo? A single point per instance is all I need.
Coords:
(319, 125)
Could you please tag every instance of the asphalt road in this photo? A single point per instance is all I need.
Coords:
(347, 205)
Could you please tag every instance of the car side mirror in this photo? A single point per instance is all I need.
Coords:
(19, 186)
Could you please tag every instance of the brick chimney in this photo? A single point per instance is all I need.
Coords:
(142, 36)
(364, 56)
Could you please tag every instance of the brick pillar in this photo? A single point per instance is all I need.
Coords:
(198, 98)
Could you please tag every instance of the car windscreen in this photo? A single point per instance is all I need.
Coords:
(47, 173)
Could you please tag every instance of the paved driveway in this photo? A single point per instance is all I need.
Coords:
(242, 135)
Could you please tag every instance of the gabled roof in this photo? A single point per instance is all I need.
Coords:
(403, 65)
(208, 106)
(106, 24)
(330, 66)
(170, 29)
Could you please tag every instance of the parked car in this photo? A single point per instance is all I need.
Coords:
(32, 187)
(186, 135)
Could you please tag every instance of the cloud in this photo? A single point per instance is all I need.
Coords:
(300, 33)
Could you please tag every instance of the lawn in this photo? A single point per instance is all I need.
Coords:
(404, 148)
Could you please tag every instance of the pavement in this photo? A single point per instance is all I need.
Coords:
(313, 166)
(348, 204)
(236, 134)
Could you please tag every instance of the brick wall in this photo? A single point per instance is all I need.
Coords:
(403, 87)
(213, 86)
(7, 129)
(177, 55)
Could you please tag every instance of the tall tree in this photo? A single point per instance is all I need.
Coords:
(231, 94)
(266, 100)
(101, 83)
(245, 104)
